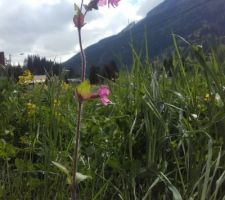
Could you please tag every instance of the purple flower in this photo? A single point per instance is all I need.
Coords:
(114, 3)
(103, 93)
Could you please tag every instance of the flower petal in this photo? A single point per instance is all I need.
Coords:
(105, 101)
(114, 3)
(103, 93)
(103, 90)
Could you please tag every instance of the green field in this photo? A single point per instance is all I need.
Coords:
(162, 138)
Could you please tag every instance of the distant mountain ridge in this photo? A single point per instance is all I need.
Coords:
(195, 20)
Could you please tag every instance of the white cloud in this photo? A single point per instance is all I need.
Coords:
(35, 3)
(45, 27)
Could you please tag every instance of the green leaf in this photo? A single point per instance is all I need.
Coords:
(69, 180)
(172, 188)
(62, 168)
(114, 163)
(6, 150)
(76, 8)
(19, 164)
(2, 191)
(79, 177)
(24, 165)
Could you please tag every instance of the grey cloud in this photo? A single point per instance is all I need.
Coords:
(22, 26)
(46, 29)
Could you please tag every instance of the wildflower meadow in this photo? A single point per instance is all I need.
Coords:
(152, 134)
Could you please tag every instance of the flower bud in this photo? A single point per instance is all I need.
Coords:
(78, 20)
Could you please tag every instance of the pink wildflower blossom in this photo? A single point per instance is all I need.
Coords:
(103, 93)
(114, 3)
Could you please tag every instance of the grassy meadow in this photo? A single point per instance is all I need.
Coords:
(161, 139)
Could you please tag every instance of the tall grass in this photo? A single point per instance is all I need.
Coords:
(162, 138)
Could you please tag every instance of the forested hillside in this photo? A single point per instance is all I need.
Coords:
(199, 22)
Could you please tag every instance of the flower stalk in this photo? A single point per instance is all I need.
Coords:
(83, 90)
(83, 58)
(76, 152)
(79, 112)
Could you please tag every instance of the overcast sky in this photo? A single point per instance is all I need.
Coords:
(45, 27)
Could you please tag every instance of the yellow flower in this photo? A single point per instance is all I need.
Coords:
(25, 78)
(56, 103)
(65, 86)
(207, 97)
(58, 116)
(31, 109)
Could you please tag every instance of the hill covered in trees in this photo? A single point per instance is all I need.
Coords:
(199, 22)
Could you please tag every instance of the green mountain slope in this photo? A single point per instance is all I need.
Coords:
(200, 21)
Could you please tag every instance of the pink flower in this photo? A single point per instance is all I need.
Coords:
(83, 92)
(114, 3)
(103, 93)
